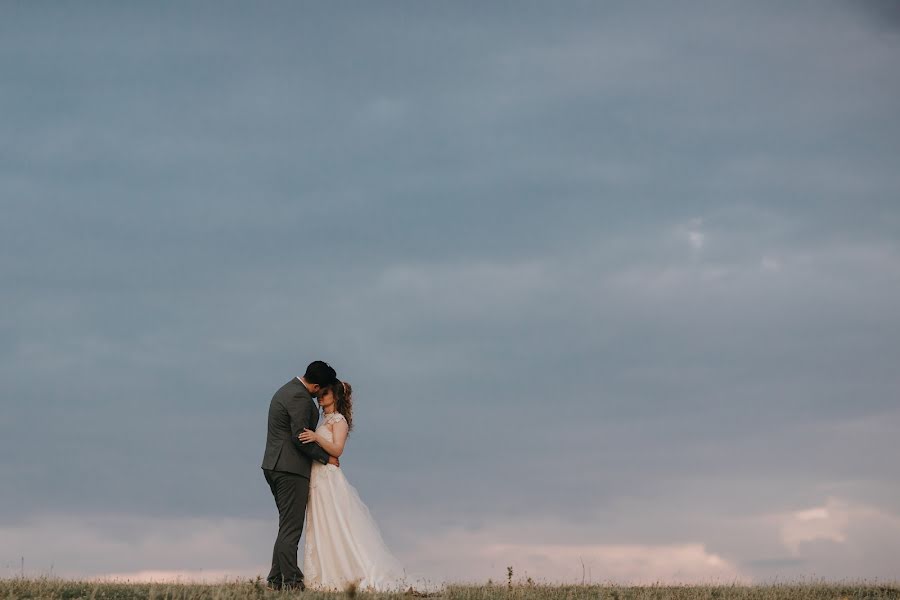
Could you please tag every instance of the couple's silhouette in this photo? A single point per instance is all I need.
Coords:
(302, 467)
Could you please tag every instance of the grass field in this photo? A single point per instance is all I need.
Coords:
(66, 589)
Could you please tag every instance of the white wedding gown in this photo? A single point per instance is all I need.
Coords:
(343, 543)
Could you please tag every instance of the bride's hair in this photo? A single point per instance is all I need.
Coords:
(343, 397)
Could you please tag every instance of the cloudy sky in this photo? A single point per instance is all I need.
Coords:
(616, 283)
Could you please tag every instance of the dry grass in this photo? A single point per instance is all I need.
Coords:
(52, 588)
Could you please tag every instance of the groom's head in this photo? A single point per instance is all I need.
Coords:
(319, 375)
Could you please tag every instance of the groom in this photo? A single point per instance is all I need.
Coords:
(287, 463)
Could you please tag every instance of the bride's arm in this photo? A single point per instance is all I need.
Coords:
(335, 448)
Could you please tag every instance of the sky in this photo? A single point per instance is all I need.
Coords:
(616, 283)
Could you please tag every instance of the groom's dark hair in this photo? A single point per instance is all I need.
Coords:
(320, 373)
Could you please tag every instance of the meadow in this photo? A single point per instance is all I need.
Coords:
(52, 588)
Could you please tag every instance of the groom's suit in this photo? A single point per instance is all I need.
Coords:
(286, 465)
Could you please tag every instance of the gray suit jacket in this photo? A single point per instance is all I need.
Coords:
(292, 409)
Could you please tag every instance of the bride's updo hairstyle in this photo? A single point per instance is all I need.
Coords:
(343, 399)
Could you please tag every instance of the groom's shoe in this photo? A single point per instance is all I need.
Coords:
(278, 585)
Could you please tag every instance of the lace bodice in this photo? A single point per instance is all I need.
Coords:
(324, 430)
(333, 418)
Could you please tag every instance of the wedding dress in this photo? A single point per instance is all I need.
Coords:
(343, 543)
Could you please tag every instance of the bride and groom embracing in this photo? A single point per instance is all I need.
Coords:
(302, 467)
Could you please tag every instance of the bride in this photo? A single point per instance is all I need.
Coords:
(343, 544)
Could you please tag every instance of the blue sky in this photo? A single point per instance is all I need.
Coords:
(613, 282)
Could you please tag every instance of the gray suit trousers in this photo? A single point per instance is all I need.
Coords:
(291, 493)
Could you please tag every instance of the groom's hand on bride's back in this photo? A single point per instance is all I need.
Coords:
(333, 460)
